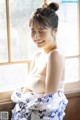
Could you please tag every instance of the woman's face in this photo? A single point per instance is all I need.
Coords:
(42, 37)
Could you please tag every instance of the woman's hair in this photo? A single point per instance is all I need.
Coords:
(46, 16)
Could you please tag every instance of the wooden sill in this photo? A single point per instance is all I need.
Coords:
(70, 90)
(5, 96)
(71, 87)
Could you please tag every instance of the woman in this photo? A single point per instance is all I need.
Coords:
(43, 96)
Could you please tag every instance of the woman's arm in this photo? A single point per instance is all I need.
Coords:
(54, 72)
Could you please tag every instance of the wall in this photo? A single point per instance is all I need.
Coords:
(73, 107)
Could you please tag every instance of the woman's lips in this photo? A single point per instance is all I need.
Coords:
(39, 42)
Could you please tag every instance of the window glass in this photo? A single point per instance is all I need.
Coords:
(67, 38)
(12, 76)
(72, 70)
(22, 46)
(3, 33)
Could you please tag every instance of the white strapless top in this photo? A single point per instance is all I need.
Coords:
(36, 83)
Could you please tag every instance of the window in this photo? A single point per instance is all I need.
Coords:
(17, 48)
(12, 76)
(68, 39)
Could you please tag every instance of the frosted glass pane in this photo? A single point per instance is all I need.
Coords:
(3, 33)
(72, 70)
(68, 34)
(13, 76)
(22, 46)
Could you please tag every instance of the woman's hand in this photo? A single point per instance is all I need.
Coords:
(25, 90)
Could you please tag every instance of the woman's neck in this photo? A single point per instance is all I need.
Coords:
(46, 50)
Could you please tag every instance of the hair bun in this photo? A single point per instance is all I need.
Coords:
(53, 6)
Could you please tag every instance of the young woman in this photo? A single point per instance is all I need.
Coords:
(43, 96)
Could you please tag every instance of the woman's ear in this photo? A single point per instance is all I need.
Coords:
(55, 31)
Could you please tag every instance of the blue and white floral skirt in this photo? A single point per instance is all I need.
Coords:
(32, 106)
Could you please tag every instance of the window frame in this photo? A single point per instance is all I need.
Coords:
(69, 87)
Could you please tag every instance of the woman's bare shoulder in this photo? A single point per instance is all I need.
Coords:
(56, 56)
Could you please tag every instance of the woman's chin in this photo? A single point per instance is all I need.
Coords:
(40, 45)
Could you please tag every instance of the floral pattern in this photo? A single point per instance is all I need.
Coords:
(32, 106)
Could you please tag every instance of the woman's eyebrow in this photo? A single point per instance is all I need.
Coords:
(40, 29)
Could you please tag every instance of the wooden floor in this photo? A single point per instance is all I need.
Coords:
(72, 110)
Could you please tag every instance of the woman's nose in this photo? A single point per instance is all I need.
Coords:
(37, 36)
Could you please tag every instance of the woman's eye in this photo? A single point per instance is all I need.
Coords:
(41, 32)
(33, 31)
